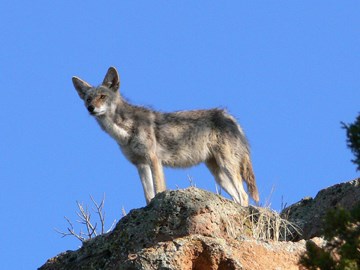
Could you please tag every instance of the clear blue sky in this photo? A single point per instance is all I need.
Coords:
(287, 70)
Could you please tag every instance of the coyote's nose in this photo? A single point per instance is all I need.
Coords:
(91, 108)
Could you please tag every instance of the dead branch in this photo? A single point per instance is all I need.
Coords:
(99, 210)
(84, 216)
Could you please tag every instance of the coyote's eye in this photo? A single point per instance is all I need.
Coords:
(102, 96)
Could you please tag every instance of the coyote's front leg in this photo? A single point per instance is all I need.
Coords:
(152, 178)
(146, 181)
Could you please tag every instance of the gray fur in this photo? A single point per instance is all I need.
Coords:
(150, 139)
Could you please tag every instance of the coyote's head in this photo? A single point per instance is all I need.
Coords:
(99, 100)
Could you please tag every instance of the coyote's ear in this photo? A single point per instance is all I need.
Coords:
(81, 86)
(112, 80)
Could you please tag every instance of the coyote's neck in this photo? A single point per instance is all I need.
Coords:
(114, 129)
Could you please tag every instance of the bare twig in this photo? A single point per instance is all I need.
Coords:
(218, 189)
(84, 216)
(100, 212)
(123, 211)
(71, 231)
(85, 219)
(283, 205)
(268, 199)
(191, 181)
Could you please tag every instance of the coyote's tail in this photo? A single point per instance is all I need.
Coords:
(247, 174)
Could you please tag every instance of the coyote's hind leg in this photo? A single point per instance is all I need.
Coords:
(223, 179)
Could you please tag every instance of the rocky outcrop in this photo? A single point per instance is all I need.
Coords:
(309, 213)
(189, 229)
(182, 229)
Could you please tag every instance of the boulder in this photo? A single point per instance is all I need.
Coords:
(309, 213)
(187, 229)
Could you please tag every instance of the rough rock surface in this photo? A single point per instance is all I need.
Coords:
(309, 213)
(182, 229)
(193, 229)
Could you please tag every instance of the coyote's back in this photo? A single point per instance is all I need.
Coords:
(151, 139)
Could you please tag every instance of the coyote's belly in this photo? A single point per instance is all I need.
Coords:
(184, 157)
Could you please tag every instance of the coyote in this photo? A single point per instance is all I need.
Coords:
(151, 139)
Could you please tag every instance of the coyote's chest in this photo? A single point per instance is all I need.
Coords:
(114, 130)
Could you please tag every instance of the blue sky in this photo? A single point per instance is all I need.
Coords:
(287, 70)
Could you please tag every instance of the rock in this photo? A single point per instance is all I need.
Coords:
(309, 213)
(187, 229)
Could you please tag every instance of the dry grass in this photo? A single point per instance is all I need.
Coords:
(267, 224)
